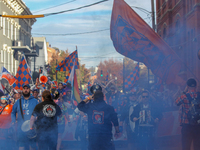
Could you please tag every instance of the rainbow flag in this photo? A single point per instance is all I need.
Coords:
(74, 84)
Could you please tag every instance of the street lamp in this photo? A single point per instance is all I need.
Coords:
(116, 80)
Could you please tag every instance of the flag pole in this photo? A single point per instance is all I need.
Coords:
(79, 70)
(56, 71)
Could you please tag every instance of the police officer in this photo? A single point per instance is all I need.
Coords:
(100, 119)
(189, 117)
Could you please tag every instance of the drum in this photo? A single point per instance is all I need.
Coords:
(26, 128)
(146, 130)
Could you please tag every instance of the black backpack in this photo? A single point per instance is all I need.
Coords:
(194, 110)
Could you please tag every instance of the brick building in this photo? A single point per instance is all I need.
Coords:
(179, 26)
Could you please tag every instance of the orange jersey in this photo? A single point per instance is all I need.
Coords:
(5, 117)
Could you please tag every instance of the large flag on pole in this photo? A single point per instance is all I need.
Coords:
(74, 84)
(23, 75)
(135, 39)
(67, 64)
(132, 77)
(5, 74)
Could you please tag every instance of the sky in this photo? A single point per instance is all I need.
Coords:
(92, 47)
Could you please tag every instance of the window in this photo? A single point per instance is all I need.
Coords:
(11, 32)
(8, 29)
(4, 59)
(15, 33)
(1, 21)
(4, 26)
(164, 33)
(1, 55)
(15, 67)
(177, 25)
(9, 61)
(12, 62)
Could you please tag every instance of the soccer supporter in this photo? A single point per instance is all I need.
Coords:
(45, 116)
(23, 109)
(6, 131)
(100, 119)
(146, 115)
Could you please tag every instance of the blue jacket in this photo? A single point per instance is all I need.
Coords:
(27, 107)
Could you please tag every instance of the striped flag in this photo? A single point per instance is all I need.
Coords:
(132, 78)
(74, 84)
(23, 75)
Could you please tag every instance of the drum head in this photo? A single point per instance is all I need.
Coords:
(25, 126)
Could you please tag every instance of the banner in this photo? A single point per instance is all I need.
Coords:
(135, 39)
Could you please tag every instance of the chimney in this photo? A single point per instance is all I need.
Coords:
(47, 44)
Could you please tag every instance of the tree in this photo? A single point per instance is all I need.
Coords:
(114, 70)
(85, 74)
(61, 75)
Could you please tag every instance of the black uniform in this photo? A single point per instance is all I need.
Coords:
(100, 119)
(46, 124)
(145, 125)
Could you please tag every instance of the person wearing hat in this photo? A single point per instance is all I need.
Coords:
(101, 117)
(36, 95)
(189, 102)
(23, 108)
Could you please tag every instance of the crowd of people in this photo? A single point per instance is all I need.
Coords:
(36, 118)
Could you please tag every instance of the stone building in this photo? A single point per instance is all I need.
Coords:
(15, 35)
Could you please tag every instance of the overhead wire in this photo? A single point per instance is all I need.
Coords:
(49, 14)
(54, 6)
(64, 11)
(71, 33)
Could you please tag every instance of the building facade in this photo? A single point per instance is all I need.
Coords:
(15, 35)
(179, 26)
(42, 60)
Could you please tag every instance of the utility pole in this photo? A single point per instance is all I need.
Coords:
(154, 28)
(153, 15)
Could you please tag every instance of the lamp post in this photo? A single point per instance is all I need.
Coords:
(116, 80)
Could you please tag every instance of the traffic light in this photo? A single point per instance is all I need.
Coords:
(101, 73)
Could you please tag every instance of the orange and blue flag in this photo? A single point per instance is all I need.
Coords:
(67, 77)
(132, 77)
(67, 64)
(23, 75)
(135, 39)
(5, 74)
